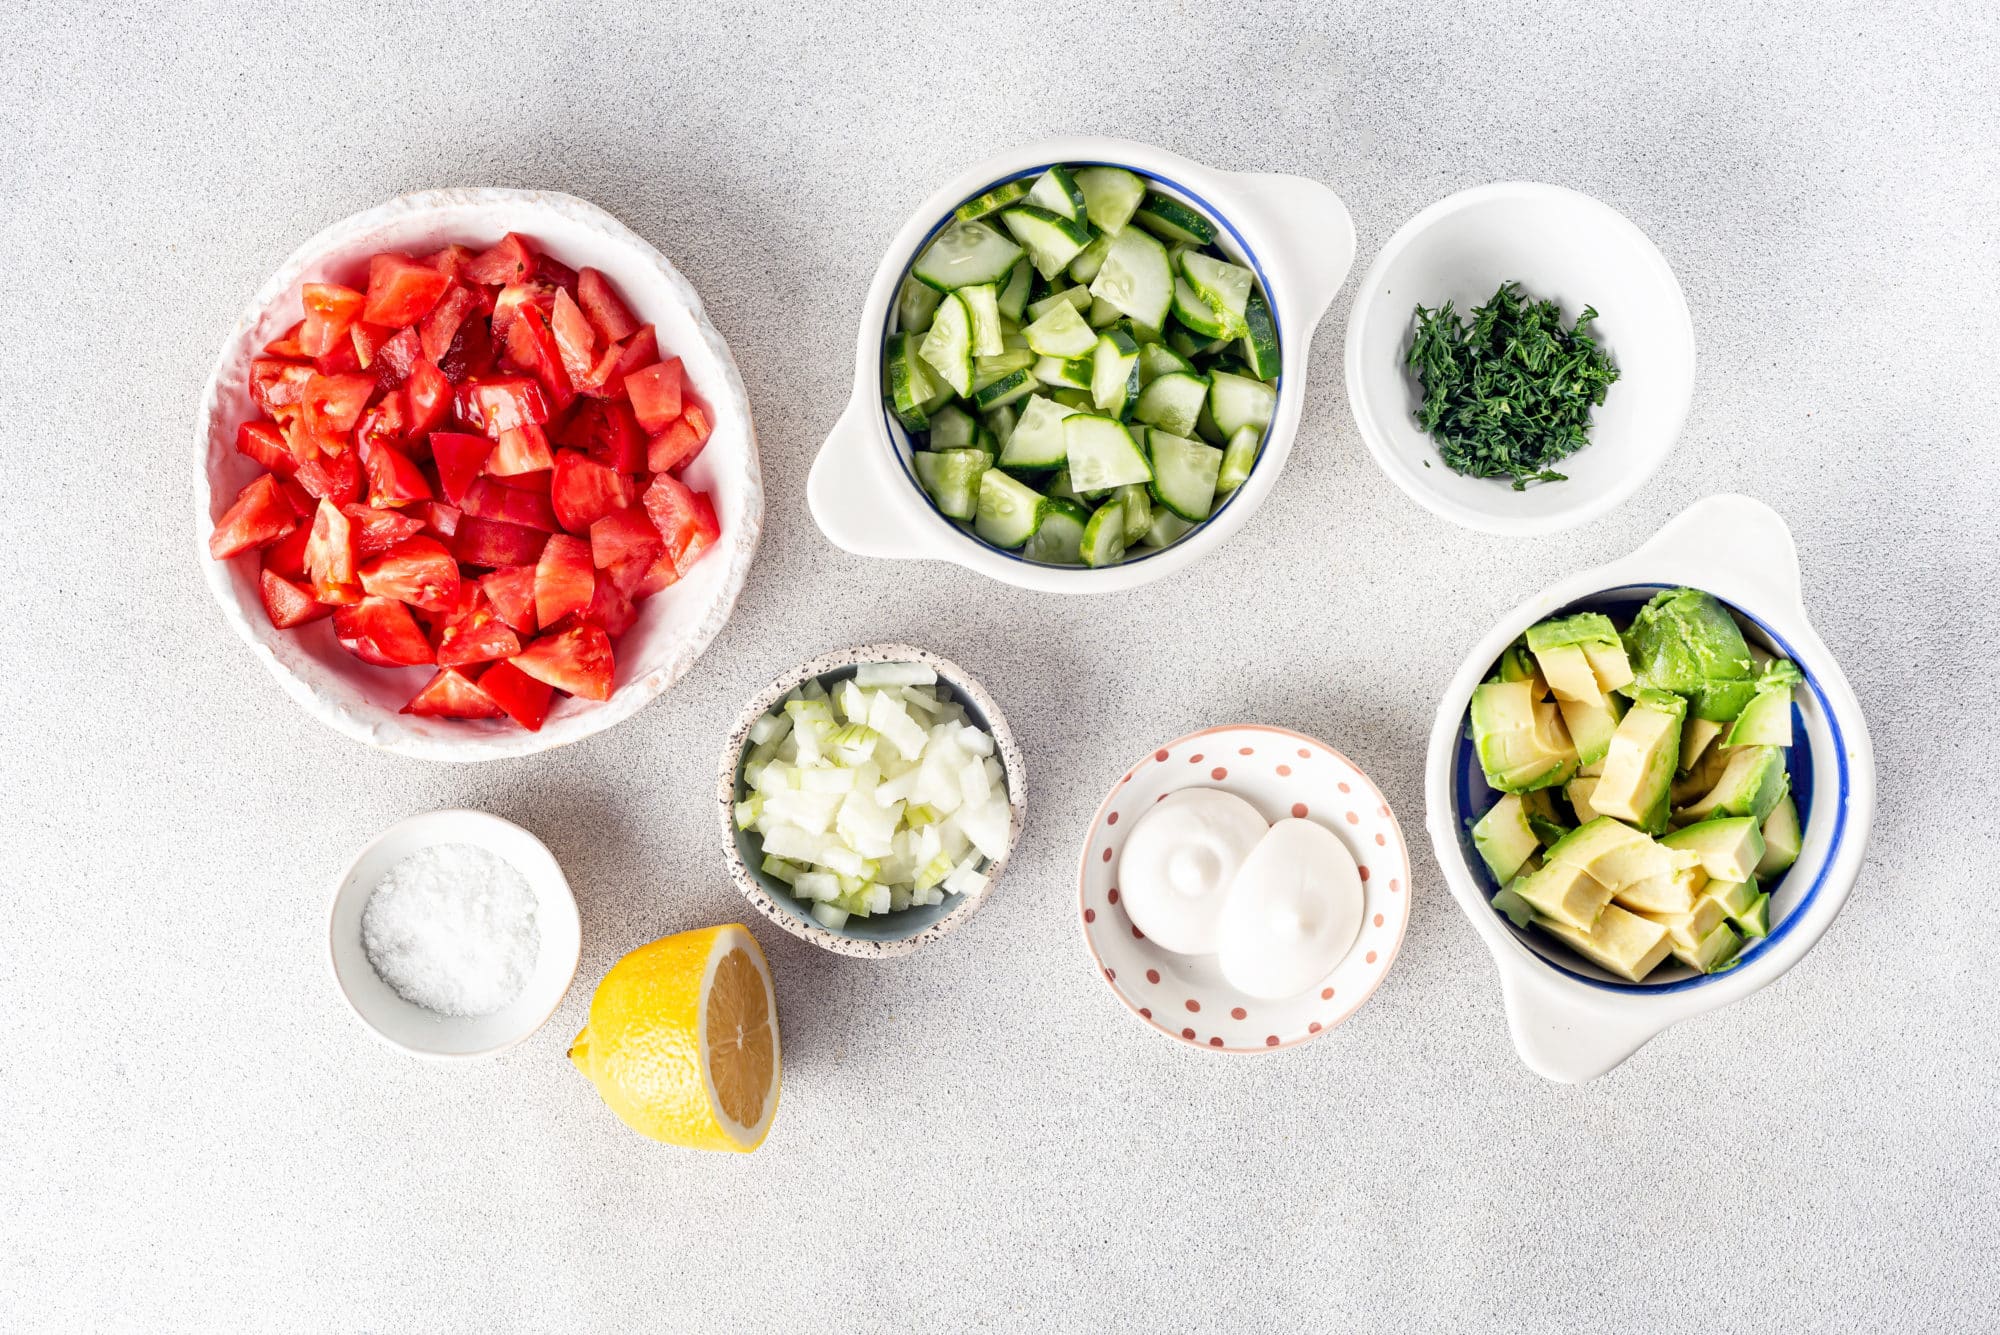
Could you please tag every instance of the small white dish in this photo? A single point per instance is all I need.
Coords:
(1570, 1021)
(673, 627)
(1557, 244)
(425, 1033)
(1294, 232)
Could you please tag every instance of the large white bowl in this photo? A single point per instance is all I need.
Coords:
(1571, 1021)
(1558, 244)
(1294, 232)
(673, 626)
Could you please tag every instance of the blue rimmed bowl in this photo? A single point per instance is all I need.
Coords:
(1571, 1021)
(1294, 233)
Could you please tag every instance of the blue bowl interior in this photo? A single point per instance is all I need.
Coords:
(1471, 796)
(1230, 241)
(876, 927)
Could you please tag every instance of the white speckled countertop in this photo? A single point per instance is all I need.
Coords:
(194, 1133)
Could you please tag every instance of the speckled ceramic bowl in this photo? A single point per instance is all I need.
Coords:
(881, 935)
(1281, 774)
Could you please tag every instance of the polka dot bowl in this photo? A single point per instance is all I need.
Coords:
(1281, 774)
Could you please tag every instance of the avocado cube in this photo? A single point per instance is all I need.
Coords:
(1578, 791)
(1517, 909)
(1696, 734)
(1521, 741)
(1729, 847)
(1756, 920)
(1590, 635)
(1504, 838)
(1688, 929)
(1591, 724)
(1565, 893)
(1568, 673)
(1615, 854)
(1639, 764)
(1707, 771)
(1517, 664)
(1752, 784)
(1767, 719)
(1715, 950)
(1781, 839)
(1735, 897)
(1685, 641)
(1675, 892)
(1619, 942)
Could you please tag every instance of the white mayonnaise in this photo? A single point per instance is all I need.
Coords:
(1178, 863)
(1291, 913)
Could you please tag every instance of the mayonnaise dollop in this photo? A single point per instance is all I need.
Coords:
(1291, 912)
(1179, 861)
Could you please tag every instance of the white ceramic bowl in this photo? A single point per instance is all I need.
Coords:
(425, 1033)
(1294, 232)
(878, 936)
(673, 627)
(1558, 244)
(1282, 774)
(1571, 1021)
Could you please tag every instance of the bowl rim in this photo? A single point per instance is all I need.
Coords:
(730, 761)
(738, 548)
(1367, 300)
(1097, 823)
(459, 821)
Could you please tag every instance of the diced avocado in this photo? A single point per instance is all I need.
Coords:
(1756, 920)
(1620, 942)
(1522, 743)
(1616, 854)
(1591, 771)
(1517, 664)
(1728, 846)
(1517, 909)
(1735, 897)
(1565, 893)
(1715, 950)
(1608, 661)
(1688, 929)
(1504, 839)
(1578, 791)
(1591, 725)
(1639, 766)
(1781, 839)
(1596, 637)
(1707, 772)
(1568, 673)
(1672, 893)
(1767, 719)
(1685, 641)
(1696, 734)
(1751, 785)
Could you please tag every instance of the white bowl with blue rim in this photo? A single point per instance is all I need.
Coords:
(1294, 233)
(1570, 1020)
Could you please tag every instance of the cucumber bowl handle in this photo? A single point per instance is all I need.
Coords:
(857, 494)
(1313, 237)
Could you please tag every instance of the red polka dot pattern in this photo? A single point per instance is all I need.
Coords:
(1238, 1013)
(1090, 915)
(1152, 975)
(1218, 774)
(1299, 809)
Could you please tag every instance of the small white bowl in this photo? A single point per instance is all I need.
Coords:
(425, 1033)
(1294, 232)
(673, 627)
(1570, 1021)
(1557, 244)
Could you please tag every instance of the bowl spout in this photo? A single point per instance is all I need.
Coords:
(1566, 1036)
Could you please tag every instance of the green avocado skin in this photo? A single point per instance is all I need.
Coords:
(1686, 642)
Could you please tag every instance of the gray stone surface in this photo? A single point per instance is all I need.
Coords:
(195, 1134)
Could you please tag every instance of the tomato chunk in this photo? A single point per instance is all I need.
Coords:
(502, 403)
(670, 505)
(286, 603)
(332, 477)
(401, 290)
(564, 579)
(460, 457)
(330, 556)
(287, 556)
(487, 542)
(452, 694)
(673, 448)
(575, 339)
(276, 383)
(258, 517)
(577, 660)
(584, 491)
(606, 430)
(706, 531)
(521, 449)
(510, 260)
(382, 631)
(512, 593)
(601, 306)
(622, 536)
(333, 403)
(532, 348)
(287, 344)
(655, 392)
(266, 444)
(419, 571)
(441, 325)
(331, 311)
(610, 607)
(488, 499)
(376, 531)
(475, 633)
(525, 699)
(437, 517)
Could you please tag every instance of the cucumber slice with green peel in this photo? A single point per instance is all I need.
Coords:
(984, 440)
(1180, 341)
(1102, 314)
(986, 370)
(916, 303)
(1110, 196)
(1064, 373)
(1136, 278)
(1059, 541)
(1014, 294)
(1102, 454)
(996, 199)
(1237, 401)
(982, 303)
(1050, 239)
(1260, 343)
(1231, 363)
(1061, 333)
(1012, 386)
(1172, 220)
(1137, 502)
(1078, 399)
(952, 428)
(1238, 458)
(1000, 424)
(906, 383)
(952, 478)
(947, 347)
(965, 254)
(1171, 402)
(1058, 487)
(1196, 314)
(1077, 295)
(1224, 286)
(1091, 258)
(1057, 191)
(1104, 536)
(1009, 511)
(1114, 371)
(1158, 359)
(1167, 528)
(1184, 473)
(1204, 426)
(1037, 440)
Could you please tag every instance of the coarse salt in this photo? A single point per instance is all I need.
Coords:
(452, 929)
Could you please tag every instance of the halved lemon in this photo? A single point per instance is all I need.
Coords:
(682, 1040)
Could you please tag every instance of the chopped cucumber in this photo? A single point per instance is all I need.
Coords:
(952, 428)
(1061, 333)
(1009, 512)
(916, 303)
(1014, 296)
(1260, 343)
(999, 423)
(1091, 258)
(994, 200)
(908, 386)
(1059, 541)
(1078, 399)
(1238, 458)
(1184, 474)
(1007, 388)
(953, 478)
(1050, 239)
(966, 254)
(1037, 440)
(1077, 296)
(1102, 314)
(1237, 402)
(1167, 529)
(1224, 286)
(1195, 314)
(1104, 535)
(1064, 373)
(1138, 505)
(1057, 191)
(1173, 221)
(1114, 371)
(947, 348)
(1172, 402)
(1102, 454)
(1110, 196)
(1136, 278)
(1157, 359)
(982, 303)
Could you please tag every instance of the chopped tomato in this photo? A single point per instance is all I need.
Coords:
(521, 449)
(451, 260)
(508, 261)
(276, 384)
(384, 424)
(441, 326)
(330, 556)
(368, 341)
(419, 571)
(671, 506)
(555, 273)
(532, 348)
(331, 311)
(606, 430)
(624, 535)
(584, 491)
(258, 517)
(610, 608)
(564, 579)
(401, 290)
(488, 499)
(287, 344)
(340, 359)
(438, 518)
(525, 699)
(287, 556)
(332, 477)
(600, 303)
(512, 593)
(376, 531)
(266, 444)
(488, 542)
(640, 350)
(430, 398)
(574, 337)
(382, 631)
(452, 694)
(333, 403)
(471, 354)
(697, 421)
(513, 299)
(655, 392)
(286, 603)
(536, 481)
(502, 403)
(706, 531)
(392, 479)
(673, 448)
(398, 356)
(577, 660)
(459, 457)
(475, 633)
(663, 573)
